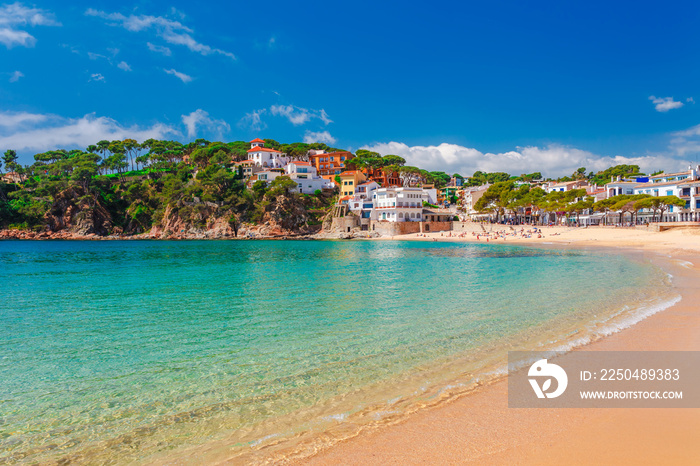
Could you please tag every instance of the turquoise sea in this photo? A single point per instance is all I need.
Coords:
(155, 351)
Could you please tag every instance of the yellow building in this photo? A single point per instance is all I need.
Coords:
(348, 181)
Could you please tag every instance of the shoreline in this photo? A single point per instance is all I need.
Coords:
(683, 257)
(465, 232)
(478, 427)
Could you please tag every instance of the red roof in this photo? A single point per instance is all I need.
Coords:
(257, 140)
(300, 163)
(263, 149)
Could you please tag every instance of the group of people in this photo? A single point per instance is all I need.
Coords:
(502, 234)
(493, 235)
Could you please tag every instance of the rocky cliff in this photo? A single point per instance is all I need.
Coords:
(78, 213)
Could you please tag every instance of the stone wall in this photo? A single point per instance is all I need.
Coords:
(345, 224)
(385, 228)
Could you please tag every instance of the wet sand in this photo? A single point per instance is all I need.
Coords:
(479, 428)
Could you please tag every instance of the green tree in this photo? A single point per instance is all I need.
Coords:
(259, 188)
(658, 204)
(10, 160)
(282, 185)
(394, 160)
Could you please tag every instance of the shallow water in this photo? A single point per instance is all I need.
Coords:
(128, 351)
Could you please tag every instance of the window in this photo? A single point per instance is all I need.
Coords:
(669, 192)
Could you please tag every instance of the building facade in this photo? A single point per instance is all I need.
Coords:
(349, 180)
(330, 163)
(399, 204)
(304, 174)
(265, 157)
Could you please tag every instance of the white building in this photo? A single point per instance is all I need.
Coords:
(685, 185)
(266, 157)
(432, 195)
(306, 177)
(398, 204)
(362, 202)
(682, 185)
(616, 188)
(566, 186)
(471, 196)
(265, 175)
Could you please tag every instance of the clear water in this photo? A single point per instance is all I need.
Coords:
(116, 352)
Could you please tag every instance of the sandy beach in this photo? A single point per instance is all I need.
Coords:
(479, 428)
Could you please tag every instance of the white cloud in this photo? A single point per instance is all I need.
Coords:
(124, 66)
(321, 136)
(297, 115)
(553, 160)
(15, 120)
(11, 37)
(97, 77)
(664, 104)
(201, 119)
(26, 131)
(15, 15)
(181, 76)
(15, 76)
(173, 32)
(686, 142)
(253, 120)
(159, 49)
(95, 56)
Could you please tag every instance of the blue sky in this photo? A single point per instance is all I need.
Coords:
(459, 86)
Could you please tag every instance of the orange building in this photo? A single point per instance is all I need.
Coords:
(384, 179)
(330, 163)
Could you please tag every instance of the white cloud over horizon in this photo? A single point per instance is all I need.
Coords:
(553, 160)
(171, 31)
(664, 104)
(321, 136)
(181, 76)
(15, 15)
(199, 119)
(23, 131)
